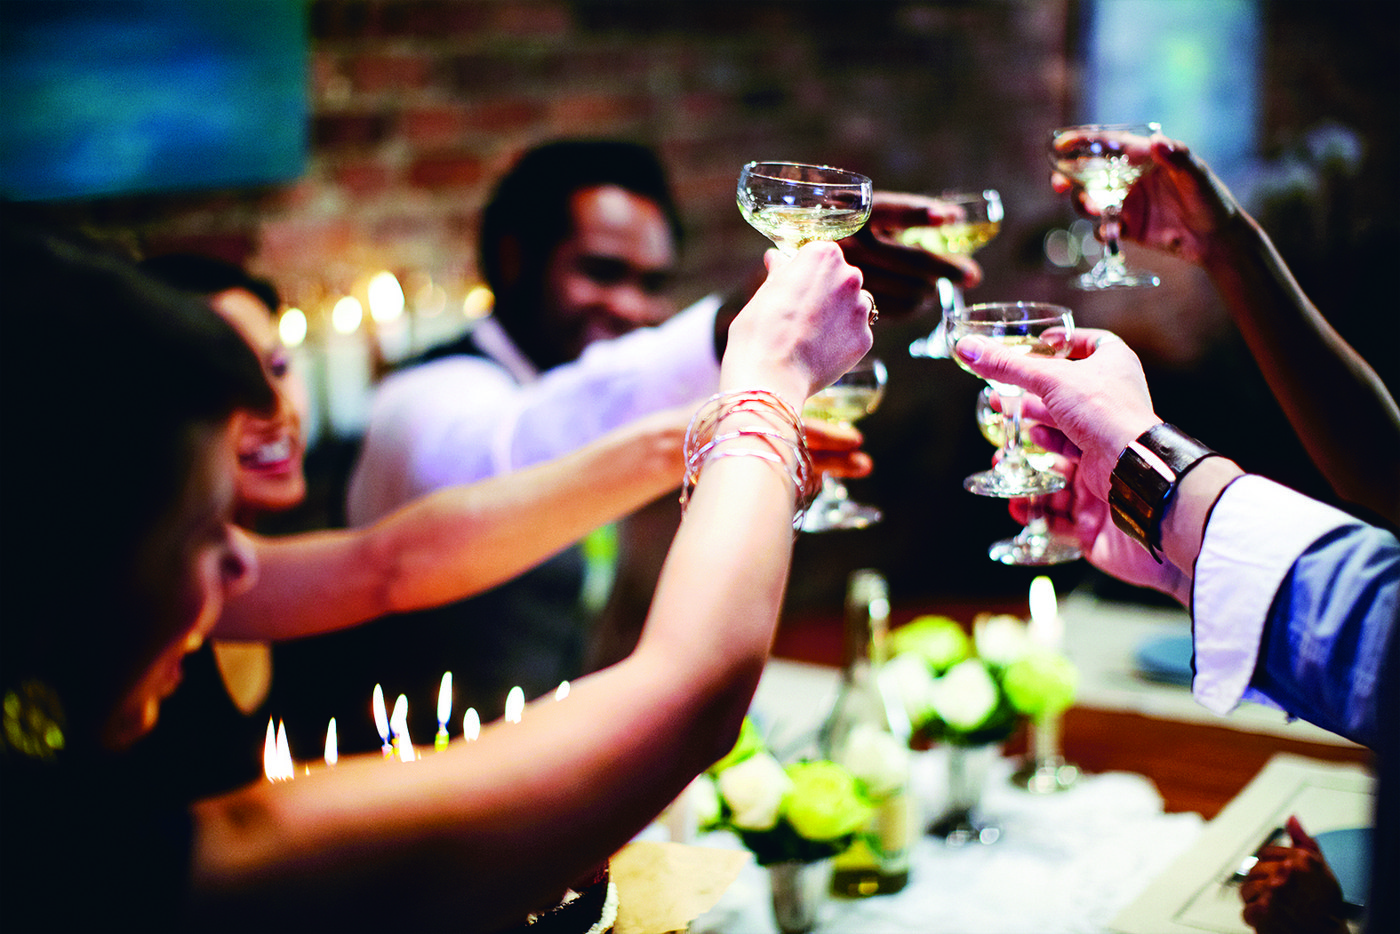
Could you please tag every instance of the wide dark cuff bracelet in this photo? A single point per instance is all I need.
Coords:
(1145, 478)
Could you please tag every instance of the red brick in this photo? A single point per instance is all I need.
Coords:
(373, 74)
(363, 177)
(445, 170)
(340, 130)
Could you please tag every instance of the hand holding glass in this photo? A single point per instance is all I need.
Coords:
(852, 397)
(1106, 159)
(1023, 327)
(978, 221)
(792, 203)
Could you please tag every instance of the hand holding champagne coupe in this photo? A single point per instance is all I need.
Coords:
(792, 203)
(852, 397)
(1099, 157)
(979, 215)
(1035, 544)
(1024, 327)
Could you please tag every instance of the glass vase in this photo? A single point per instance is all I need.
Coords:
(961, 823)
(798, 892)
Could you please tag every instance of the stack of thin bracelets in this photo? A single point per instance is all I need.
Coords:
(785, 442)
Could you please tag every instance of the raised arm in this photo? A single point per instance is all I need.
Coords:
(1341, 411)
(474, 836)
(455, 542)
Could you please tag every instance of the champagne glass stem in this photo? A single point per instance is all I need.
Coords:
(1012, 452)
(833, 490)
(1111, 226)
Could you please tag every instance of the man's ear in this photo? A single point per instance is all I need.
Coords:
(511, 259)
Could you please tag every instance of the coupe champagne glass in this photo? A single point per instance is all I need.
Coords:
(852, 397)
(1035, 544)
(1106, 159)
(979, 215)
(1027, 328)
(792, 203)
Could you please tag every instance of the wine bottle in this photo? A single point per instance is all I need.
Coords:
(868, 733)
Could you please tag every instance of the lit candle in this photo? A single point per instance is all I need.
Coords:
(471, 724)
(284, 753)
(332, 746)
(1046, 629)
(381, 722)
(515, 704)
(444, 710)
(398, 725)
(562, 691)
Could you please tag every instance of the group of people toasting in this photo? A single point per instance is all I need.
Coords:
(145, 405)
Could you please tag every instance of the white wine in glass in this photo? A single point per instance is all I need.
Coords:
(1106, 159)
(792, 203)
(852, 397)
(1023, 327)
(1035, 544)
(978, 221)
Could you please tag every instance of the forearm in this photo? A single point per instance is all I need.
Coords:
(453, 543)
(1341, 411)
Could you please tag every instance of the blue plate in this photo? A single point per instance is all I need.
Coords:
(1348, 853)
(1165, 658)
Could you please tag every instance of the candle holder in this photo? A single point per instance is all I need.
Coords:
(1045, 771)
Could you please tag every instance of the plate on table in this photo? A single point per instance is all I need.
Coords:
(1165, 658)
(1348, 853)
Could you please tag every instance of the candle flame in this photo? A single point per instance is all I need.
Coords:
(1046, 628)
(285, 769)
(444, 708)
(515, 704)
(381, 719)
(562, 691)
(332, 745)
(398, 724)
(386, 298)
(270, 752)
(471, 724)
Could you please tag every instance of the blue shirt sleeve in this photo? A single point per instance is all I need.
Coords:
(1328, 630)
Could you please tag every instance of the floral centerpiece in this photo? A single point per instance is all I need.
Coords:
(800, 812)
(974, 691)
(792, 818)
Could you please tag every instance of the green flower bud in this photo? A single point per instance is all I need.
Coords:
(938, 640)
(1041, 683)
(824, 802)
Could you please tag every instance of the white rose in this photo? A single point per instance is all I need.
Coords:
(966, 696)
(703, 798)
(1001, 639)
(754, 790)
(877, 759)
(908, 677)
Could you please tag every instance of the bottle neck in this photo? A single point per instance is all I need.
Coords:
(867, 621)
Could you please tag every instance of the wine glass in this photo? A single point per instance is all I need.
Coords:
(1106, 158)
(792, 203)
(1035, 544)
(852, 397)
(1028, 328)
(978, 222)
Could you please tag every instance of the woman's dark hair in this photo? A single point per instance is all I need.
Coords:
(209, 275)
(530, 206)
(106, 374)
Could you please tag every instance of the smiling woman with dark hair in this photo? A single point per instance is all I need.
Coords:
(121, 552)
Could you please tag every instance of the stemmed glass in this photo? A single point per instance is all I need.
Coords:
(1106, 158)
(978, 222)
(852, 397)
(792, 203)
(1028, 328)
(1035, 544)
